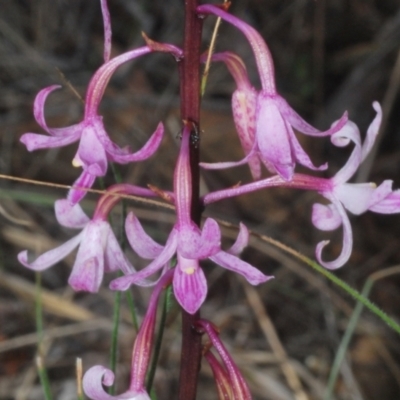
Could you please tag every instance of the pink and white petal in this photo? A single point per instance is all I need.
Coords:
(349, 133)
(301, 125)
(389, 205)
(359, 197)
(70, 215)
(107, 30)
(189, 240)
(326, 217)
(347, 242)
(115, 258)
(38, 107)
(93, 382)
(51, 257)
(372, 131)
(300, 155)
(97, 376)
(91, 154)
(124, 282)
(190, 289)
(145, 152)
(88, 270)
(139, 240)
(78, 192)
(241, 241)
(235, 264)
(35, 141)
(196, 244)
(273, 139)
(210, 240)
(229, 164)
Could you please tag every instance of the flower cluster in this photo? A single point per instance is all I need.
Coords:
(266, 126)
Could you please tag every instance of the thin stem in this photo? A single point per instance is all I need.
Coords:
(158, 341)
(190, 111)
(44, 379)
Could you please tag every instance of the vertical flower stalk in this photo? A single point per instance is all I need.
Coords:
(190, 112)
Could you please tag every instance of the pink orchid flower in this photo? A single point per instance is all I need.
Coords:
(190, 244)
(99, 250)
(264, 119)
(95, 147)
(354, 197)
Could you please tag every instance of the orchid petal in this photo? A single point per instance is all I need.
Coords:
(38, 107)
(51, 257)
(115, 259)
(272, 138)
(389, 205)
(124, 282)
(97, 376)
(194, 245)
(142, 243)
(70, 215)
(359, 197)
(326, 217)
(349, 132)
(241, 241)
(78, 192)
(372, 131)
(230, 164)
(347, 241)
(88, 270)
(119, 156)
(93, 382)
(301, 125)
(210, 239)
(235, 264)
(300, 155)
(244, 106)
(190, 288)
(91, 154)
(35, 141)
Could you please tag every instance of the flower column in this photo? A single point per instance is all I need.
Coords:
(190, 112)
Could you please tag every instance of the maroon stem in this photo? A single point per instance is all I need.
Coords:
(190, 111)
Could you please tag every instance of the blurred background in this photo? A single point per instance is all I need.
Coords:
(330, 56)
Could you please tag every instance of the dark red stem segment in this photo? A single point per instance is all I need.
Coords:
(190, 112)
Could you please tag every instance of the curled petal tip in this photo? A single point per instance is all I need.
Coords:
(23, 257)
